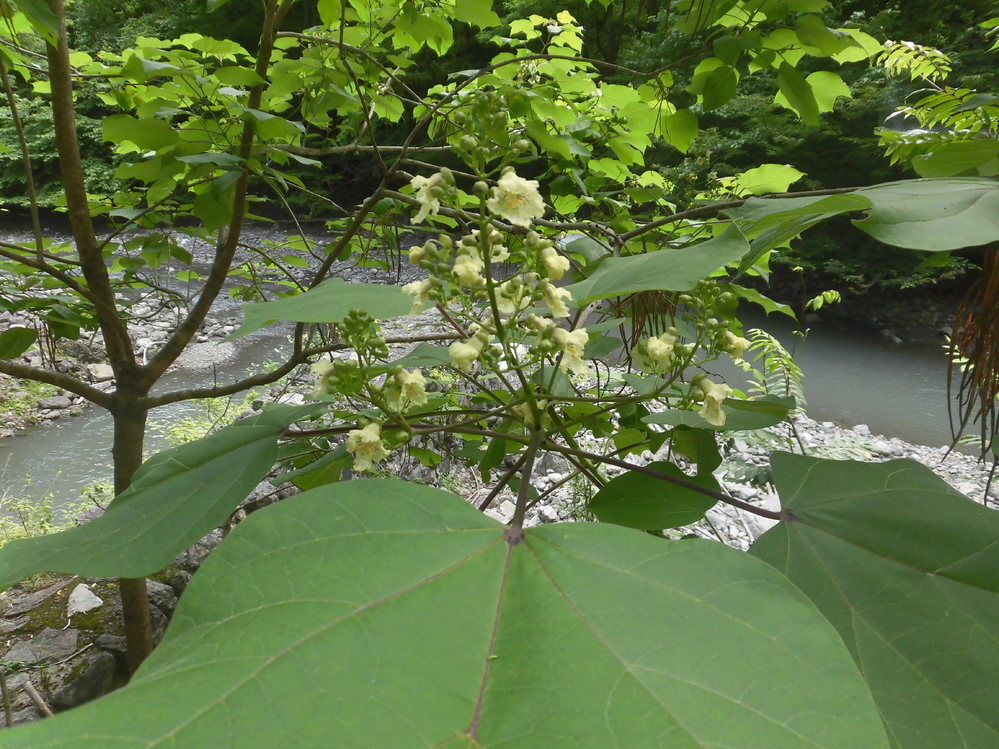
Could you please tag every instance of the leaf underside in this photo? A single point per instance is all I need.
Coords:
(385, 614)
(907, 569)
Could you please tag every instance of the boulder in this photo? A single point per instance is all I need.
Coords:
(95, 679)
(55, 402)
(100, 372)
(47, 646)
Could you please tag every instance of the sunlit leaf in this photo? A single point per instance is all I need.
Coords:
(670, 270)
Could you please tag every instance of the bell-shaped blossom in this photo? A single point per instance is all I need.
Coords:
(572, 343)
(735, 345)
(405, 389)
(420, 291)
(468, 270)
(555, 264)
(516, 199)
(714, 394)
(366, 446)
(429, 203)
(654, 354)
(512, 296)
(554, 297)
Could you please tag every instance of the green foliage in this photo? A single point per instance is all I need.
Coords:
(36, 115)
(634, 640)
(899, 571)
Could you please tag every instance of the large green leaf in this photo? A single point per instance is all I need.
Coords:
(384, 614)
(669, 270)
(637, 500)
(329, 302)
(907, 569)
(177, 496)
(15, 341)
(934, 214)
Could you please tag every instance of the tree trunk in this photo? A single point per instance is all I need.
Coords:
(129, 413)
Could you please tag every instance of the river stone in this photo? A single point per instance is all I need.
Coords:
(100, 372)
(55, 402)
(47, 646)
(81, 600)
(162, 596)
(205, 355)
(95, 680)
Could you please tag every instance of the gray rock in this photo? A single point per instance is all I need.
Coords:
(81, 600)
(55, 402)
(12, 625)
(95, 680)
(548, 514)
(29, 601)
(862, 429)
(100, 372)
(192, 559)
(47, 646)
(180, 581)
(162, 596)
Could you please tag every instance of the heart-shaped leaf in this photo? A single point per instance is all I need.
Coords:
(383, 614)
(908, 570)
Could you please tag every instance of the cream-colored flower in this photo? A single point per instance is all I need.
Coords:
(524, 413)
(323, 370)
(429, 204)
(512, 297)
(405, 389)
(463, 353)
(516, 199)
(735, 345)
(366, 446)
(468, 270)
(416, 253)
(555, 264)
(572, 344)
(714, 394)
(553, 298)
(654, 355)
(420, 291)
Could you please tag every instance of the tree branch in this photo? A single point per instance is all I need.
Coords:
(64, 381)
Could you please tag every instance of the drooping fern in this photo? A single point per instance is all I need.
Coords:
(918, 62)
(772, 369)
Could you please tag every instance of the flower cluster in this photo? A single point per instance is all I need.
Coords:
(405, 389)
(464, 353)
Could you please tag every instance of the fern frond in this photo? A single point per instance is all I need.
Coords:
(915, 60)
(775, 371)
